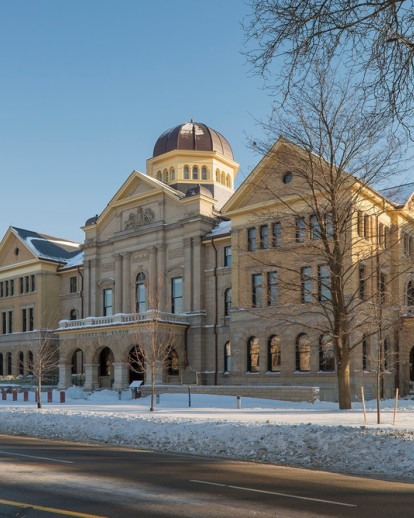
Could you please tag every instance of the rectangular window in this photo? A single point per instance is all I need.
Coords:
(257, 290)
(300, 230)
(73, 281)
(1, 289)
(24, 320)
(277, 234)
(21, 285)
(324, 283)
(4, 322)
(141, 298)
(227, 256)
(329, 225)
(10, 321)
(26, 279)
(264, 237)
(251, 239)
(272, 289)
(177, 295)
(362, 293)
(306, 284)
(6, 284)
(382, 287)
(33, 282)
(12, 287)
(31, 319)
(107, 302)
(314, 228)
(367, 227)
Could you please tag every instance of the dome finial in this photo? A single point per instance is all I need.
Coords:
(191, 120)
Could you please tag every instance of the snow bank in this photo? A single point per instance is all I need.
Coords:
(292, 434)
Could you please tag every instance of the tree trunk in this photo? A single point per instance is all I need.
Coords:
(152, 388)
(39, 395)
(344, 385)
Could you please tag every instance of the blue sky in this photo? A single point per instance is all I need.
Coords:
(87, 86)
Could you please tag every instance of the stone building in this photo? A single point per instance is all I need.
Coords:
(178, 245)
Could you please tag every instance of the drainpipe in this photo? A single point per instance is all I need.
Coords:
(215, 312)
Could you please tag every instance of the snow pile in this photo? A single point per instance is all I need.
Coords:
(314, 436)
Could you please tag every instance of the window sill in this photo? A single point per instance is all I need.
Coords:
(301, 372)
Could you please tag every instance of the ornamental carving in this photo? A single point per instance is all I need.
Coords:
(139, 218)
(176, 252)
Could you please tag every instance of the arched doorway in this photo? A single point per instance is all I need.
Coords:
(136, 365)
(106, 368)
(412, 364)
(78, 368)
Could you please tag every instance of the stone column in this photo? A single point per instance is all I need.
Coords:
(188, 275)
(93, 301)
(161, 267)
(91, 376)
(126, 283)
(121, 378)
(197, 269)
(118, 283)
(86, 291)
(65, 376)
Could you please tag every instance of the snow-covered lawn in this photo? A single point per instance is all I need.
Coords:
(316, 436)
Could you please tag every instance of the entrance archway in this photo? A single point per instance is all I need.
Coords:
(136, 365)
(106, 368)
(78, 368)
(412, 364)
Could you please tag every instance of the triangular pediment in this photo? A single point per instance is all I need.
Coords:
(14, 251)
(264, 181)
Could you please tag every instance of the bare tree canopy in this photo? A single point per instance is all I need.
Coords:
(374, 40)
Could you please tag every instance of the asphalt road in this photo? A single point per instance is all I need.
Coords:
(41, 478)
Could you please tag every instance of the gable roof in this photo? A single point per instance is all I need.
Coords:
(49, 248)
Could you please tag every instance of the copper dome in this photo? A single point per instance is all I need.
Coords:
(192, 136)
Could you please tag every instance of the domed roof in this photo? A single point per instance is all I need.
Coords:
(192, 136)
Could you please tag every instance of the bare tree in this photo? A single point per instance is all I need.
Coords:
(43, 360)
(374, 40)
(154, 337)
(334, 151)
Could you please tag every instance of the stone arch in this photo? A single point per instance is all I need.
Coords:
(136, 364)
(78, 367)
(106, 361)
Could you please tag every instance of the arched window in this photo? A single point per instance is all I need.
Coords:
(159, 175)
(274, 360)
(30, 364)
(227, 357)
(186, 172)
(228, 180)
(302, 353)
(172, 174)
(1, 364)
(141, 305)
(227, 302)
(223, 178)
(253, 354)
(217, 175)
(410, 293)
(9, 364)
(365, 353)
(204, 173)
(195, 173)
(73, 314)
(166, 178)
(173, 364)
(326, 354)
(21, 363)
